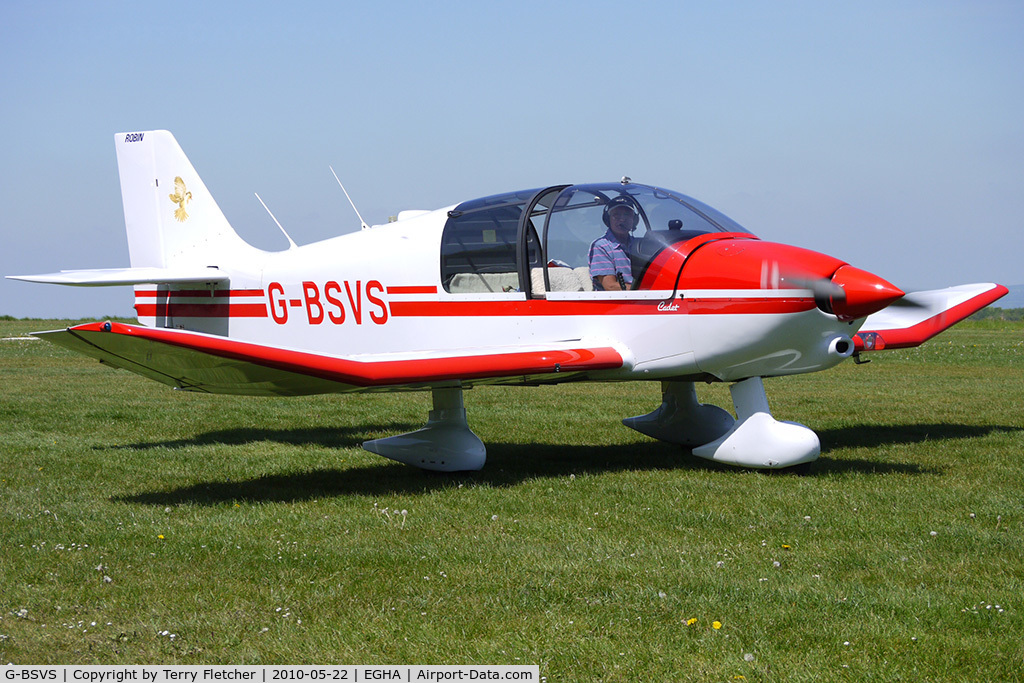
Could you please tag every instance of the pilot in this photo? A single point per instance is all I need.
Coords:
(609, 254)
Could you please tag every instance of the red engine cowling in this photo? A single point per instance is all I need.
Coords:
(740, 263)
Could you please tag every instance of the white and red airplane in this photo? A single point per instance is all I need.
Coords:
(494, 291)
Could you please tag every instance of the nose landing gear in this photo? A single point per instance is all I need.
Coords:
(754, 439)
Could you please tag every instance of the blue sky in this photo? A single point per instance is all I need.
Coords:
(888, 134)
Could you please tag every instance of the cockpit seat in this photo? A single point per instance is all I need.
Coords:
(562, 280)
(482, 283)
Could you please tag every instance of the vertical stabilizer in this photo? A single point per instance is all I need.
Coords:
(172, 220)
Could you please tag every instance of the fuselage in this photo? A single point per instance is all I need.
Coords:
(708, 299)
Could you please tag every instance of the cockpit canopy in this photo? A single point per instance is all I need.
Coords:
(537, 241)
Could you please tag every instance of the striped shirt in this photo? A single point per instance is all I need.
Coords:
(608, 257)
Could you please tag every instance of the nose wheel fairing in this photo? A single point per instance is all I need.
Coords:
(754, 439)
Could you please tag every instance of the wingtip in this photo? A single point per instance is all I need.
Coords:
(938, 311)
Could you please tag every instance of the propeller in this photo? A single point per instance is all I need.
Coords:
(850, 293)
(904, 302)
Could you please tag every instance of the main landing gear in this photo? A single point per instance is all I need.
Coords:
(754, 439)
(446, 444)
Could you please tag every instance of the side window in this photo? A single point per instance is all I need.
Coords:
(479, 245)
(478, 251)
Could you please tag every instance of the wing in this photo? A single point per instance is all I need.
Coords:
(209, 363)
(919, 316)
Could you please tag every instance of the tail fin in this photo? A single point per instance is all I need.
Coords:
(171, 218)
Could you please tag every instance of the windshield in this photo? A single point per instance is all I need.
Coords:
(616, 229)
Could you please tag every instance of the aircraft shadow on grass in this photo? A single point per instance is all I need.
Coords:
(509, 464)
(331, 437)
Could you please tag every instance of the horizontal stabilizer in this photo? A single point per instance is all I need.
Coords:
(919, 316)
(210, 363)
(109, 277)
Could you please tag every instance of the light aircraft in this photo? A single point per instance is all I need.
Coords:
(495, 290)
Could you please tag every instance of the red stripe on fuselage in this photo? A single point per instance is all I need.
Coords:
(168, 303)
(447, 307)
(748, 306)
(202, 293)
(211, 310)
(540, 307)
(414, 289)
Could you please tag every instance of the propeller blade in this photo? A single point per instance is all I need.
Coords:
(904, 302)
(825, 291)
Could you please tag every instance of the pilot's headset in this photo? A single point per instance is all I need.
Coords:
(621, 200)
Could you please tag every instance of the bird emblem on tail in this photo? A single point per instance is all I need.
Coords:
(181, 197)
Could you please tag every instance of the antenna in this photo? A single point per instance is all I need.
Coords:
(291, 243)
(361, 221)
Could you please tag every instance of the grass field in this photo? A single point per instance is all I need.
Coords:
(143, 525)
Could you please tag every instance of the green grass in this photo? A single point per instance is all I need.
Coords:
(143, 525)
